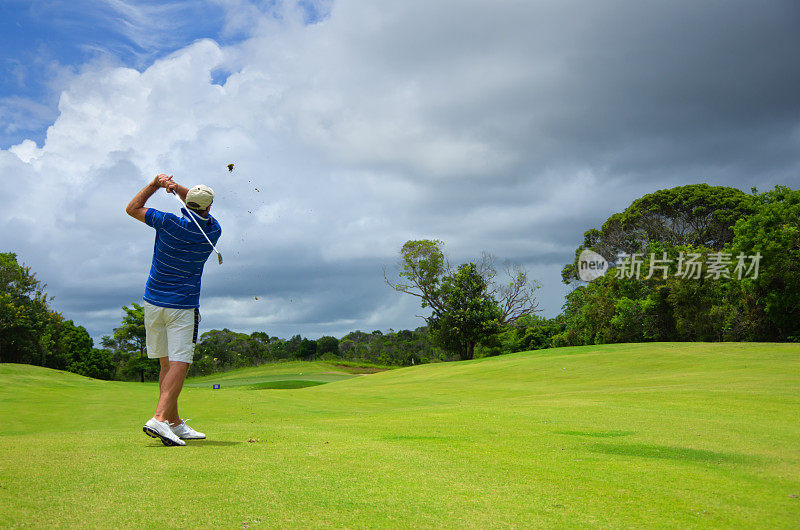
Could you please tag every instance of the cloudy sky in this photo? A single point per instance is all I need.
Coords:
(354, 126)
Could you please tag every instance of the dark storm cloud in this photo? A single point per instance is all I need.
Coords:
(643, 85)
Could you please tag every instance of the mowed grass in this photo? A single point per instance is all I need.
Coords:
(278, 375)
(629, 435)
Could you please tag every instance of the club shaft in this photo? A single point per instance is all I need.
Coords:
(191, 214)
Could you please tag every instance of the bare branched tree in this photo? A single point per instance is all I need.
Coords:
(516, 294)
(423, 265)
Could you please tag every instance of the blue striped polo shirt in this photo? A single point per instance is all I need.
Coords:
(179, 254)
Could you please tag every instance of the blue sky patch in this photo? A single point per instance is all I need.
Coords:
(44, 42)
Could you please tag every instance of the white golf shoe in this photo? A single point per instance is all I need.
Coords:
(162, 430)
(184, 432)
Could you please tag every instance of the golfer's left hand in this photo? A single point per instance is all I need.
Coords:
(164, 181)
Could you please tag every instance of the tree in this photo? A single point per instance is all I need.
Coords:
(328, 345)
(97, 363)
(515, 297)
(307, 349)
(260, 336)
(697, 215)
(291, 347)
(529, 332)
(469, 315)
(755, 297)
(425, 273)
(423, 265)
(24, 314)
(32, 333)
(773, 233)
(224, 349)
(129, 345)
(69, 346)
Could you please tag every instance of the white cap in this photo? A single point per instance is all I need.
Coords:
(199, 197)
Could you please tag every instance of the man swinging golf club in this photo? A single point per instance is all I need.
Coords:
(172, 295)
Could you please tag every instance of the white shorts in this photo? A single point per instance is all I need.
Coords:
(171, 332)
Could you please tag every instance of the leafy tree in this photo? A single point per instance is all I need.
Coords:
(307, 349)
(224, 349)
(52, 352)
(129, 345)
(291, 347)
(426, 273)
(97, 363)
(697, 215)
(757, 297)
(74, 341)
(698, 307)
(773, 298)
(469, 315)
(588, 311)
(70, 347)
(277, 349)
(423, 266)
(530, 332)
(32, 333)
(618, 309)
(24, 314)
(140, 367)
(626, 324)
(327, 346)
(346, 347)
(261, 337)
(405, 347)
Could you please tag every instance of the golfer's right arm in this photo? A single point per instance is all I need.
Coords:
(136, 207)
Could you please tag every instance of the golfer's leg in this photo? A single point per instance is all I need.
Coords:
(156, 333)
(167, 409)
(183, 369)
(163, 373)
(181, 338)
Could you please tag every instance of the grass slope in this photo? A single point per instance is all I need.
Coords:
(274, 375)
(701, 435)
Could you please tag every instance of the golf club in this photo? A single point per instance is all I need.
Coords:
(191, 214)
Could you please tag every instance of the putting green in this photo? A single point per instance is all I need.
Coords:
(699, 435)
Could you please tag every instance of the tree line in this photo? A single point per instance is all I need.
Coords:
(32, 333)
(749, 289)
(476, 311)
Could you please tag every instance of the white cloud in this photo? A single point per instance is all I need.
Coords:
(26, 151)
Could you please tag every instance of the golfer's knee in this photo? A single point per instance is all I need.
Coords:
(179, 365)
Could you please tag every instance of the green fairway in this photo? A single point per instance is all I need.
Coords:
(626, 435)
(278, 375)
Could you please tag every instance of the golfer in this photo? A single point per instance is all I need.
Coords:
(172, 296)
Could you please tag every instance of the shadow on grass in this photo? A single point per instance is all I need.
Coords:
(199, 443)
(284, 384)
(684, 454)
(410, 438)
(597, 434)
(210, 442)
